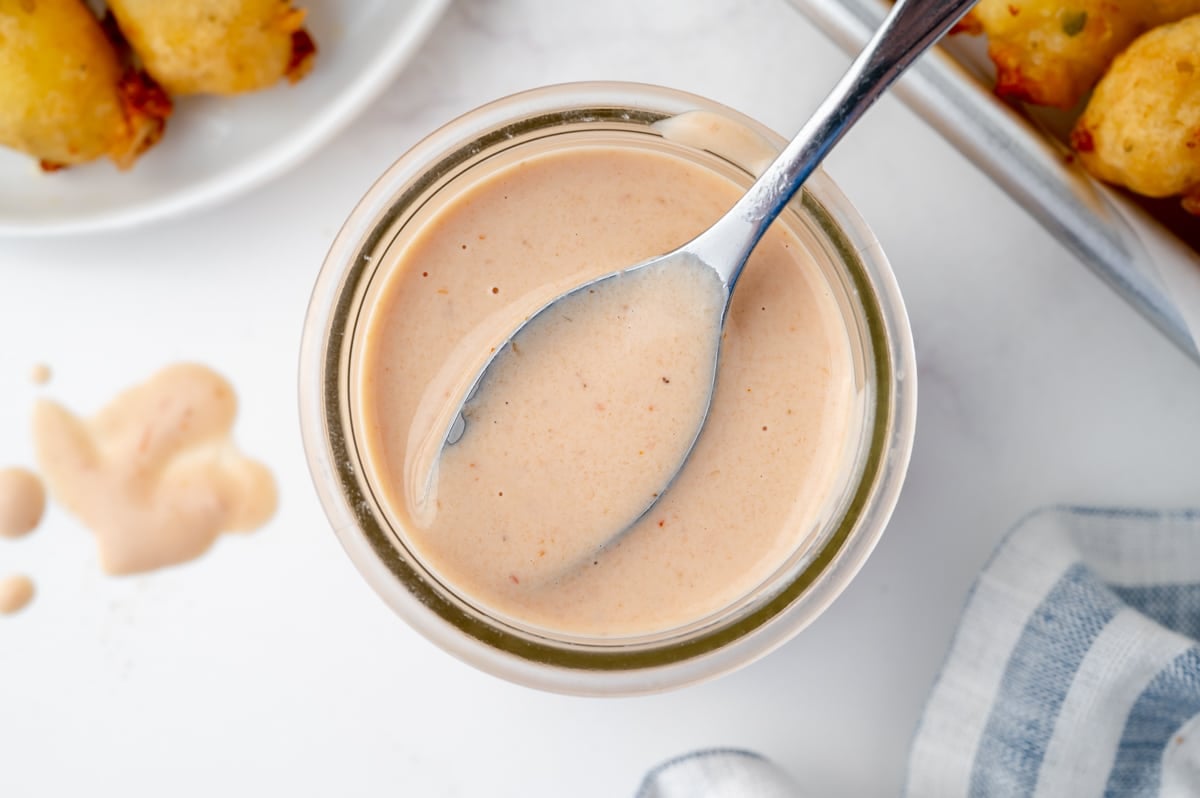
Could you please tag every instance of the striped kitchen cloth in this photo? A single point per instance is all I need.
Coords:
(1075, 670)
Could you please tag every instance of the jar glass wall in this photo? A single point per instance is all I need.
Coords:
(824, 559)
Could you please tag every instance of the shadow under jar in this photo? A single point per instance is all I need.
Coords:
(794, 475)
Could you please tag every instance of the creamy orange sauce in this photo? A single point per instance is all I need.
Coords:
(40, 374)
(22, 502)
(15, 593)
(521, 509)
(155, 474)
(603, 394)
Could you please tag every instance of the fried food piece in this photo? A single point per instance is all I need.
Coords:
(217, 46)
(1141, 128)
(969, 24)
(1051, 52)
(65, 96)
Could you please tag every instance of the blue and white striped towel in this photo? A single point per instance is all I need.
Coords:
(1075, 672)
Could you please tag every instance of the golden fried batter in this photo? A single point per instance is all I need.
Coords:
(217, 46)
(1051, 52)
(1141, 129)
(65, 96)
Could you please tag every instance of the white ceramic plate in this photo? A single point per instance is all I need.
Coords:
(215, 147)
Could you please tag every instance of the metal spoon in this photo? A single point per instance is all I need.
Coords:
(911, 28)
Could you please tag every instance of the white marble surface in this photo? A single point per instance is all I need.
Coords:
(269, 668)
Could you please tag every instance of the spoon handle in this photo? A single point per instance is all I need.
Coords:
(910, 29)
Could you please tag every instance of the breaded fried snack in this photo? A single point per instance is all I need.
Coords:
(1141, 128)
(1051, 52)
(66, 97)
(217, 46)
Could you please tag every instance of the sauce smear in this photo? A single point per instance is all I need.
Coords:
(155, 475)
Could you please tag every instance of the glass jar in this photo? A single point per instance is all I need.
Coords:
(799, 589)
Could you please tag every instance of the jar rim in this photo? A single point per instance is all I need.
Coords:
(603, 669)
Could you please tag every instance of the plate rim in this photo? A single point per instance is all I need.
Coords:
(290, 152)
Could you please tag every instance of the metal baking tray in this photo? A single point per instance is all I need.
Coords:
(1146, 251)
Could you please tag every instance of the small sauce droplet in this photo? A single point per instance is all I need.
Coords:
(15, 593)
(22, 502)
